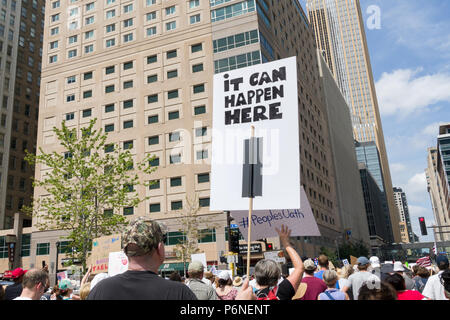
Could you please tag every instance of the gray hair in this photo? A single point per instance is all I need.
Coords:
(330, 277)
(267, 272)
(33, 277)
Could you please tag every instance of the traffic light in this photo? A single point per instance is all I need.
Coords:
(423, 227)
(234, 240)
(269, 246)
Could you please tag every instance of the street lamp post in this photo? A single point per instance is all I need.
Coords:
(56, 268)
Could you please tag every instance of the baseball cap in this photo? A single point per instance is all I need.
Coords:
(65, 284)
(223, 275)
(375, 262)
(309, 264)
(398, 266)
(18, 272)
(195, 266)
(362, 261)
(145, 234)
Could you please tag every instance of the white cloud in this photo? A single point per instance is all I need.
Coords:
(404, 91)
(416, 188)
(397, 167)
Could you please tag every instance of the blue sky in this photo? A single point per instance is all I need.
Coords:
(410, 57)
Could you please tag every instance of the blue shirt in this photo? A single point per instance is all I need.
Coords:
(319, 274)
(334, 293)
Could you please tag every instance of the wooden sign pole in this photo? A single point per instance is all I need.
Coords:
(250, 209)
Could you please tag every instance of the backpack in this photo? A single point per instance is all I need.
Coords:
(272, 295)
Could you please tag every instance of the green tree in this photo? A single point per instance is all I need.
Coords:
(86, 187)
(356, 249)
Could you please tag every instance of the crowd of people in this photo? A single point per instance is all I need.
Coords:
(143, 243)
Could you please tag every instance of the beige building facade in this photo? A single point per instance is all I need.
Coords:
(145, 68)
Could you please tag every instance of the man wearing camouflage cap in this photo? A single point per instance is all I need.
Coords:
(143, 243)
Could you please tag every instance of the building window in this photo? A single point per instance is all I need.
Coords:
(128, 145)
(128, 65)
(73, 39)
(109, 88)
(175, 182)
(199, 88)
(201, 132)
(110, 14)
(127, 211)
(199, 110)
(89, 20)
(151, 31)
(87, 75)
(128, 124)
(109, 127)
(174, 136)
(171, 25)
(87, 113)
(53, 59)
(109, 148)
(90, 6)
(128, 8)
(87, 94)
(236, 62)
(170, 10)
(207, 235)
(155, 184)
(109, 108)
(235, 41)
(89, 48)
(152, 98)
(154, 162)
(175, 158)
(150, 2)
(194, 4)
(152, 78)
(152, 59)
(197, 67)
(203, 202)
(128, 84)
(53, 45)
(176, 205)
(196, 47)
(89, 34)
(194, 19)
(110, 28)
(171, 54)
(70, 116)
(128, 104)
(71, 79)
(174, 115)
(151, 16)
(110, 42)
(232, 10)
(173, 94)
(109, 70)
(152, 119)
(70, 98)
(72, 53)
(43, 249)
(153, 140)
(128, 37)
(54, 31)
(155, 207)
(172, 74)
(202, 154)
(128, 23)
(203, 178)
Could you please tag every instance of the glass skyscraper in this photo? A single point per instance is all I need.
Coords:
(340, 36)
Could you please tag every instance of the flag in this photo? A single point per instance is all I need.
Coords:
(424, 262)
(435, 248)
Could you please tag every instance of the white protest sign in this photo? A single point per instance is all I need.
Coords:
(345, 262)
(263, 96)
(117, 263)
(277, 256)
(199, 257)
(300, 221)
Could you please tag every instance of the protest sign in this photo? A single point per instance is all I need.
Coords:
(263, 97)
(199, 257)
(345, 262)
(300, 221)
(353, 260)
(101, 247)
(117, 263)
(277, 256)
(61, 275)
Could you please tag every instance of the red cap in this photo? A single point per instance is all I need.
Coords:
(18, 273)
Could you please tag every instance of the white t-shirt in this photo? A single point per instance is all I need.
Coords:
(434, 288)
(22, 298)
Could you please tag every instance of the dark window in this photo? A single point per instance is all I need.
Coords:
(155, 207)
(152, 78)
(174, 115)
(153, 140)
(128, 65)
(128, 104)
(176, 205)
(128, 145)
(197, 67)
(199, 110)
(172, 94)
(201, 132)
(110, 70)
(199, 88)
(152, 98)
(109, 107)
(152, 119)
(128, 211)
(152, 59)
(109, 148)
(128, 84)
(174, 136)
(87, 75)
(109, 127)
(172, 74)
(109, 88)
(171, 54)
(203, 202)
(154, 162)
(155, 184)
(108, 212)
(196, 47)
(87, 113)
(128, 124)
(175, 182)
(87, 94)
(203, 177)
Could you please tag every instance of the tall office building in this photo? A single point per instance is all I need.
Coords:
(367, 153)
(145, 70)
(405, 221)
(21, 37)
(438, 175)
(340, 36)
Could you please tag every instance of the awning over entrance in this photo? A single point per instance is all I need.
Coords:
(171, 267)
